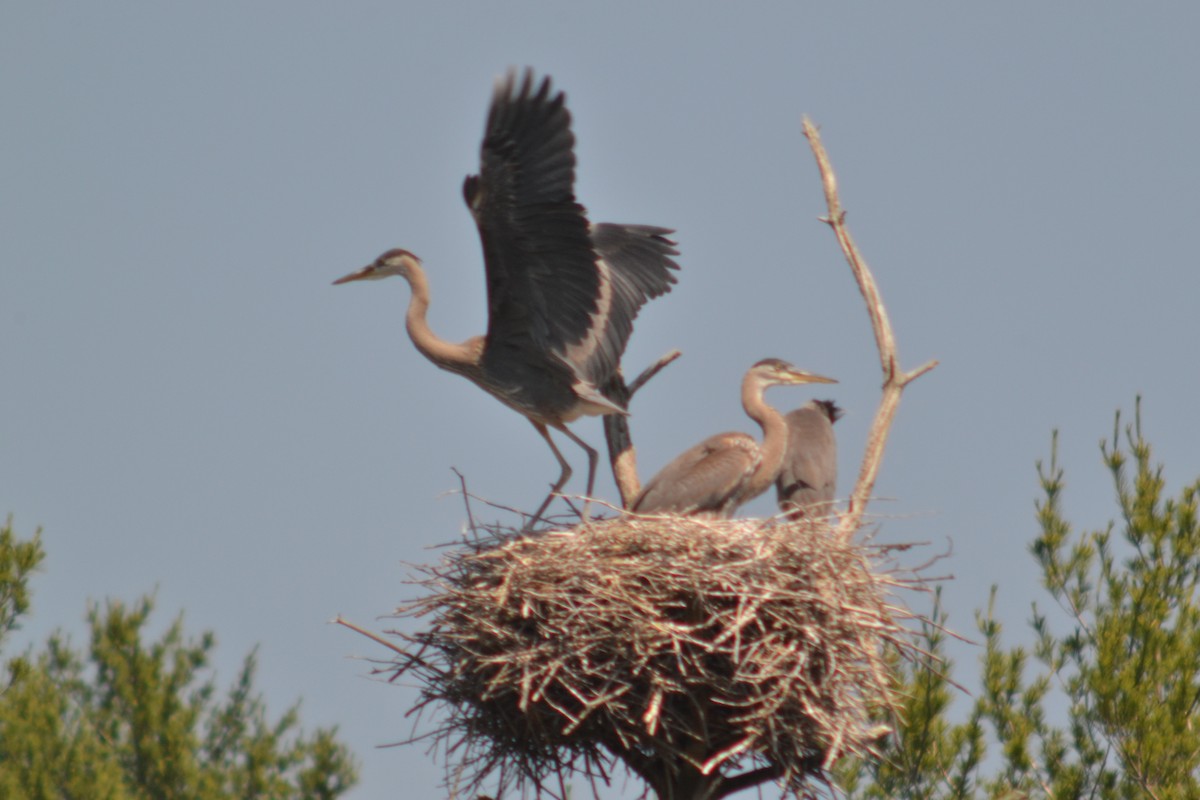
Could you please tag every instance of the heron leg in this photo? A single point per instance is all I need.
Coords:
(593, 460)
(563, 477)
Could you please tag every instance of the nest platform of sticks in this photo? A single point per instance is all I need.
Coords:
(707, 656)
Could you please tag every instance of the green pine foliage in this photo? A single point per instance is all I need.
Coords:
(1129, 662)
(1105, 703)
(927, 756)
(132, 717)
(18, 561)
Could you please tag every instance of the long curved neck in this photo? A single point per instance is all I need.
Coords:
(448, 355)
(774, 443)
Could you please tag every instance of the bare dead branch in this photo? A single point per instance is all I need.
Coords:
(894, 380)
(652, 370)
(621, 454)
(753, 778)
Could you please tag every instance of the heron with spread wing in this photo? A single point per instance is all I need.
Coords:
(807, 482)
(715, 477)
(562, 292)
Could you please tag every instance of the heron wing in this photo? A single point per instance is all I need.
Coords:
(809, 472)
(702, 478)
(542, 277)
(636, 266)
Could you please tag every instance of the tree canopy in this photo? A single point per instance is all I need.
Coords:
(130, 717)
(1103, 704)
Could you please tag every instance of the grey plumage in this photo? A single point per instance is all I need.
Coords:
(807, 483)
(716, 476)
(548, 270)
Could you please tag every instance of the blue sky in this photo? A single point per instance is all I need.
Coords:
(189, 406)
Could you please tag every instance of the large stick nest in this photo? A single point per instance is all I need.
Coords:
(740, 649)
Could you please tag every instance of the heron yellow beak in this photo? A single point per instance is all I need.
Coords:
(357, 275)
(801, 376)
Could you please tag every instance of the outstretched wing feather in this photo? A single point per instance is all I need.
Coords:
(636, 267)
(542, 277)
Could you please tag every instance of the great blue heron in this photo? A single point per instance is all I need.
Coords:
(807, 482)
(562, 293)
(724, 471)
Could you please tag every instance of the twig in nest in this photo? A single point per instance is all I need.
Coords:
(462, 482)
(374, 637)
(894, 380)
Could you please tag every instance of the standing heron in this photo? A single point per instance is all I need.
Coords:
(562, 292)
(808, 481)
(724, 471)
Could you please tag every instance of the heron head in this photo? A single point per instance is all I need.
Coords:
(393, 262)
(777, 372)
